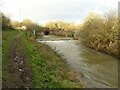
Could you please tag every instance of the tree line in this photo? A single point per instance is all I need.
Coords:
(61, 28)
(8, 24)
(100, 32)
(97, 31)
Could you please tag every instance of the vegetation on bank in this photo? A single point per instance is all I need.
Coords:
(6, 22)
(101, 32)
(49, 70)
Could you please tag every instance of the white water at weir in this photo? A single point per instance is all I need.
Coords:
(97, 69)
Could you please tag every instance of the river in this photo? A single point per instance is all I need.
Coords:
(96, 69)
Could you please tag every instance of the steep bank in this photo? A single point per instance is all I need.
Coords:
(110, 49)
(49, 70)
(28, 64)
(94, 67)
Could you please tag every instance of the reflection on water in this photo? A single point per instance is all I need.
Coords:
(97, 69)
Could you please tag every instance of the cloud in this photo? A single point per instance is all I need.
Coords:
(44, 10)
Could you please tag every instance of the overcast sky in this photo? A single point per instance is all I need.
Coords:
(42, 11)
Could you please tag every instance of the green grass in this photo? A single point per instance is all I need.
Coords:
(49, 70)
(7, 37)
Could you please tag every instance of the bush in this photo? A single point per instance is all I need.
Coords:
(101, 32)
(6, 22)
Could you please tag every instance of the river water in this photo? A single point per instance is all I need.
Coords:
(97, 70)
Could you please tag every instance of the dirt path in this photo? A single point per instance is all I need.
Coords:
(19, 72)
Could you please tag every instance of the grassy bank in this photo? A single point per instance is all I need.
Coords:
(7, 37)
(49, 70)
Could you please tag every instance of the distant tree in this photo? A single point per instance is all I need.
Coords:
(31, 25)
(60, 25)
(6, 22)
(15, 24)
(27, 22)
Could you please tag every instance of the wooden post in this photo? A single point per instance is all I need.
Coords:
(34, 32)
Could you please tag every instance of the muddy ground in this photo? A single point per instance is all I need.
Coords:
(18, 69)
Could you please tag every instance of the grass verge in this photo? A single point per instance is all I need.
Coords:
(49, 70)
(7, 37)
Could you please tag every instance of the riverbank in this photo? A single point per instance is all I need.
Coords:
(101, 33)
(48, 70)
(107, 49)
(92, 65)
